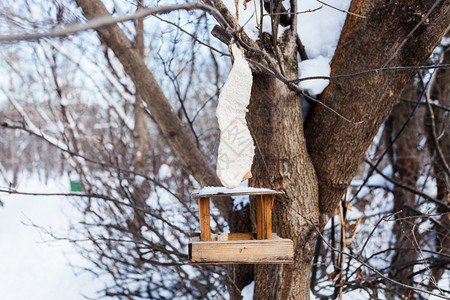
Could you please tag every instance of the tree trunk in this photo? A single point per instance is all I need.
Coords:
(13, 152)
(441, 92)
(405, 161)
(140, 115)
(275, 117)
(140, 139)
(381, 39)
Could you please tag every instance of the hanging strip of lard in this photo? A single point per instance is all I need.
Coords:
(236, 149)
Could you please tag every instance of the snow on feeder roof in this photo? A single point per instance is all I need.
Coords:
(219, 191)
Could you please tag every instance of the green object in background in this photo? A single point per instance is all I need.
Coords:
(76, 186)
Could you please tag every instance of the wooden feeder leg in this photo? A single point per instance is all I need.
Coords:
(265, 204)
(259, 219)
(205, 227)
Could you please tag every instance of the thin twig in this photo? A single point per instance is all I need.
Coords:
(424, 260)
(445, 108)
(408, 188)
(384, 218)
(331, 109)
(398, 249)
(295, 13)
(195, 38)
(88, 195)
(434, 138)
(344, 11)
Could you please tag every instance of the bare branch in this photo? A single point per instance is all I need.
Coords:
(424, 103)
(109, 20)
(408, 188)
(362, 262)
(376, 71)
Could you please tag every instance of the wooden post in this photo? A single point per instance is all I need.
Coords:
(260, 219)
(269, 205)
(205, 228)
(264, 218)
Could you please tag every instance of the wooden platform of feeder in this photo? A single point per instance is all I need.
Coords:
(264, 247)
(241, 248)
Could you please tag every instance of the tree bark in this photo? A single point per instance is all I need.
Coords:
(140, 138)
(140, 115)
(275, 117)
(336, 146)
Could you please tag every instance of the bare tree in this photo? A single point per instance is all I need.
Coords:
(314, 161)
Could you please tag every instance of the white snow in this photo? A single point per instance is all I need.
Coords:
(216, 190)
(318, 66)
(247, 291)
(165, 171)
(30, 267)
(320, 30)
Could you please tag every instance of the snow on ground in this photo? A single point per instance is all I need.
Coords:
(30, 267)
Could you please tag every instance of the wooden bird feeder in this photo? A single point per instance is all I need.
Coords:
(264, 247)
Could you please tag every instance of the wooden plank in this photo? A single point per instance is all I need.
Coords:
(194, 234)
(239, 191)
(247, 252)
(241, 236)
(267, 262)
(205, 219)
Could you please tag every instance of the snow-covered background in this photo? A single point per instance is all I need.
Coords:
(32, 264)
